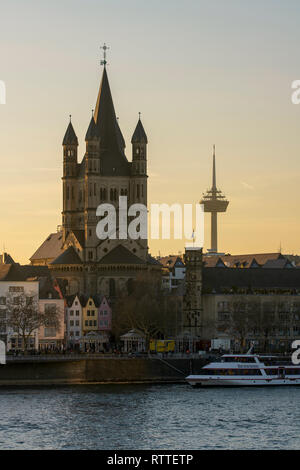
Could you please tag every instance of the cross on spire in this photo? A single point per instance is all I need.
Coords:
(104, 47)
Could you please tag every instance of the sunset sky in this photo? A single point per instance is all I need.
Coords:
(202, 72)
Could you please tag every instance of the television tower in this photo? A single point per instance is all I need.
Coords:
(214, 201)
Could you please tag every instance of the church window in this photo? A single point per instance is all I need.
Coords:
(90, 189)
(90, 233)
(137, 190)
(115, 194)
(137, 151)
(90, 255)
(142, 190)
(111, 194)
(95, 189)
(122, 192)
(67, 192)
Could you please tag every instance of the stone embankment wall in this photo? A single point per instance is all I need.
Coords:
(53, 371)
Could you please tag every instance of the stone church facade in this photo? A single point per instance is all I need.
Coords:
(86, 263)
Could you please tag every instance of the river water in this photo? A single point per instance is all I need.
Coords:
(149, 417)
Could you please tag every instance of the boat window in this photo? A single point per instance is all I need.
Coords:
(292, 371)
(247, 360)
(271, 371)
(230, 372)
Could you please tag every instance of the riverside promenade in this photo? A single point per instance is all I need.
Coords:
(97, 368)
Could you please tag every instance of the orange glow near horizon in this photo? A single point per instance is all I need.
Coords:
(202, 73)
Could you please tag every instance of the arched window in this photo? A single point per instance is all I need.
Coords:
(67, 192)
(115, 194)
(111, 194)
(137, 190)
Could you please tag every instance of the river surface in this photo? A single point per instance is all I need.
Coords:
(149, 417)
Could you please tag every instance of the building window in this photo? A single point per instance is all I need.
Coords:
(16, 289)
(49, 332)
(112, 288)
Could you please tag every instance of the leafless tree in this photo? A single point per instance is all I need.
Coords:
(146, 309)
(24, 317)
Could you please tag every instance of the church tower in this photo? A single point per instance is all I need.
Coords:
(92, 170)
(70, 146)
(192, 301)
(89, 264)
(139, 143)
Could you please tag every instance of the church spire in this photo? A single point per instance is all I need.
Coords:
(139, 135)
(105, 118)
(93, 131)
(70, 137)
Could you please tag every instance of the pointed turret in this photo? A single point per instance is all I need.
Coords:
(93, 131)
(70, 137)
(70, 148)
(139, 163)
(139, 135)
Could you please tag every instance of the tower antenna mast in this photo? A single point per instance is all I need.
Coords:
(105, 48)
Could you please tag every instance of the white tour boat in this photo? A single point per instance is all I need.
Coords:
(247, 370)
